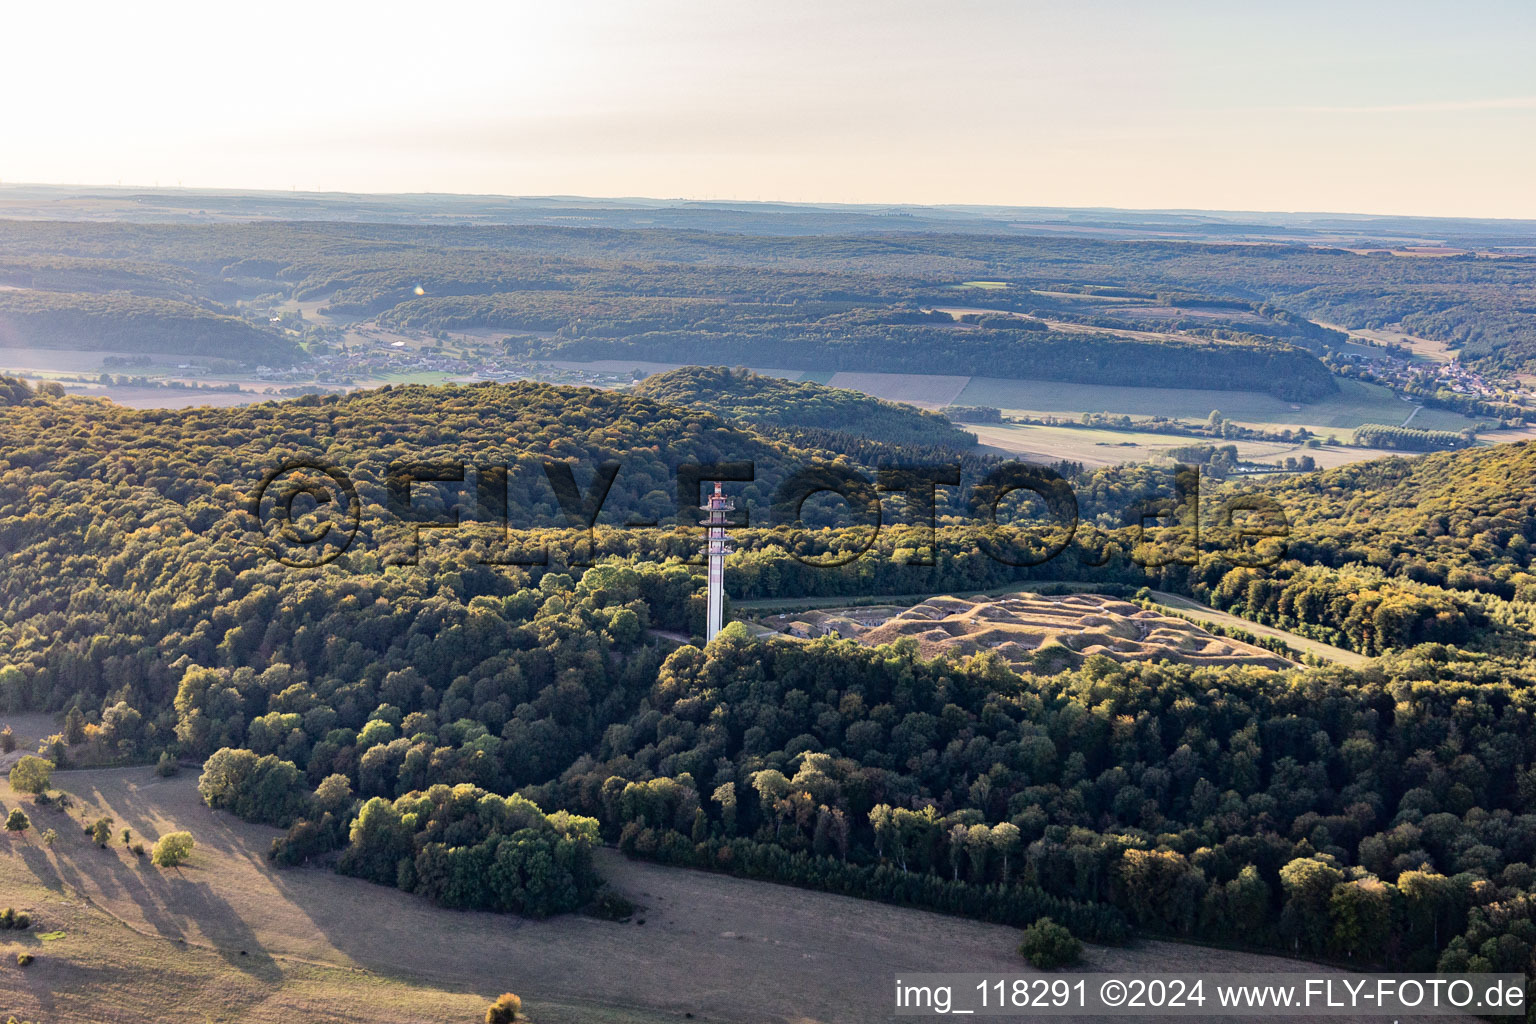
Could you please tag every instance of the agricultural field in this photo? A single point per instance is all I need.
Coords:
(1356, 403)
(1072, 444)
(1095, 448)
(627, 366)
(926, 391)
(229, 938)
(1083, 296)
(78, 369)
(1423, 348)
(1061, 325)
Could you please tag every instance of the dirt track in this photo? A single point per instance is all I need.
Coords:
(1204, 613)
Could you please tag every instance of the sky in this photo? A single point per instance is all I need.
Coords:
(1393, 108)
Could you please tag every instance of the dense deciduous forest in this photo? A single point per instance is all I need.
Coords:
(467, 730)
(1341, 816)
(859, 339)
(119, 320)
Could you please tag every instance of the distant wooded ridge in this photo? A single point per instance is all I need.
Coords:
(98, 202)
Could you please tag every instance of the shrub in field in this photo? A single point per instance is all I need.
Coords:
(504, 1010)
(1047, 944)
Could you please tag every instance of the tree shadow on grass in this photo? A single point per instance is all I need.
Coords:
(169, 900)
(221, 924)
(36, 860)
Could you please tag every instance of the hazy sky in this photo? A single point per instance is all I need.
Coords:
(1401, 107)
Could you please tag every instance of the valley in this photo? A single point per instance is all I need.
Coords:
(489, 737)
(802, 513)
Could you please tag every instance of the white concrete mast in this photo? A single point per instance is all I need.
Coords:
(716, 547)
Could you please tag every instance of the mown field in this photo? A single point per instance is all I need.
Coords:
(229, 939)
(928, 391)
(1093, 447)
(1355, 403)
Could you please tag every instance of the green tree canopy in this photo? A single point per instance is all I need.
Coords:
(172, 849)
(31, 774)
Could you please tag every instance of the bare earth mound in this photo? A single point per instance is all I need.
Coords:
(1032, 631)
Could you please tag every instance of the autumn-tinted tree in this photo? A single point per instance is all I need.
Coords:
(504, 1010)
(172, 849)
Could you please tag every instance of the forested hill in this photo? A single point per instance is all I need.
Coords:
(204, 459)
(775, 402)
(1385, 816)
(134, 323)
(130, 550)
(1386, 554)
(1468, 515)
(859, 339)
(14, 391)
(1459, 493)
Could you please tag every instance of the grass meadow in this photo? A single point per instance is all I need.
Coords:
(230, 939)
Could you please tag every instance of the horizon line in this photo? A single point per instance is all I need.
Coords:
(813, 204)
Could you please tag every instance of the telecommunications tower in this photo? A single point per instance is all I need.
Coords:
(716, 547)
